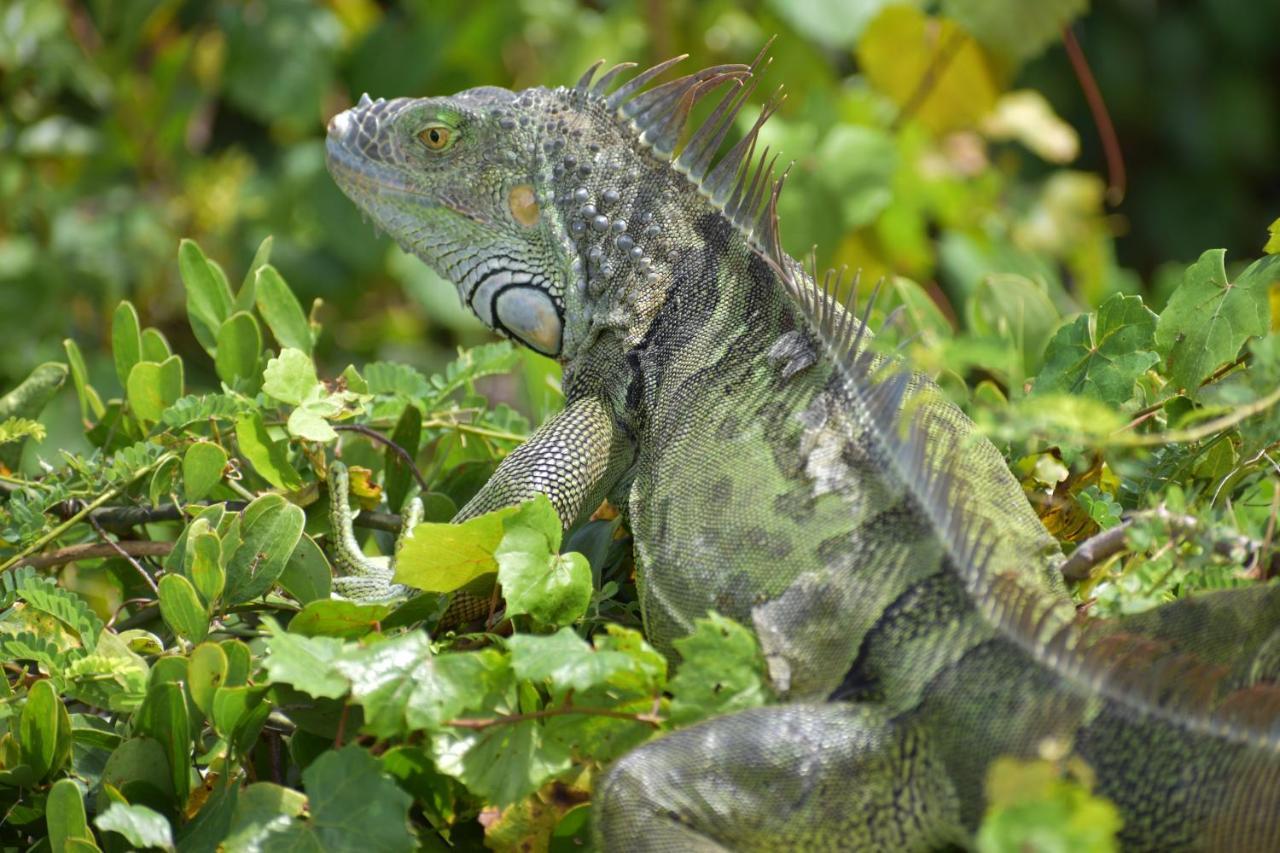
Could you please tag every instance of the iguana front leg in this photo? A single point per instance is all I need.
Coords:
(574, 459)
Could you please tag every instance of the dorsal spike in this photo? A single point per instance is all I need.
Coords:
(719, 184)
(584, 82)
(638, 82)
(602, 85)
(666, 118)
(702, 146)
(661, 99)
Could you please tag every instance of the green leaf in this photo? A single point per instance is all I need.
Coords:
(1273, 241)
(126, 340)
(398, 478)
(1208, 317)
(355, 806)
(280, 309)
(154, 346)
(553, 588)
(28, 401)
(152, 387)
(142, 827)
(139, 763)
(1015, 29)
(239, 345)
(564, 660)
(65, 815)
(269, 531)
(239, 661)
(245, 297)
(443, 557)
(202, 467)
(206, 672)
(307, 575)
(44, 730)
(1030, 805)
(403, 687)
(164, 716)
(261, 810)
(43, 594)
(1103, 356)
(182, 609)
(348, 620)
(291, 377)
(269, 458)
(307, 423)
(721, 671)
(90, 402)
(502, 764)
(233, 708)
(202, 563)
(307, 663)
(208, 297)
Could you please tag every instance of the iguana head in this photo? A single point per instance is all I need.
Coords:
(538, 203)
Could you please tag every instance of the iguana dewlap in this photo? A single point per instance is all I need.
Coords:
(776, 470)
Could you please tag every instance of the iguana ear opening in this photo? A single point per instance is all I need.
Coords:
(529, 314)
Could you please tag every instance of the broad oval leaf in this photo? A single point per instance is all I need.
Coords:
(202, 467)
(181, 608)
(280, 308)
(239, 346)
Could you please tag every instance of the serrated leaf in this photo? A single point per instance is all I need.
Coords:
(208, 297)
(269, 531)
(721, 671)
(239, 346)
(126, 340)
(553, 588)
(502, 764)
(564, 660)
(1209, 317)
(182, 609)
(1101, 357)
(291, 377)
(307, 663)
(262, 810)
(269, 458)
(445, 557)
(142, 827)
(281, 311)
(403, 687)
(355, 806)
(202, 467)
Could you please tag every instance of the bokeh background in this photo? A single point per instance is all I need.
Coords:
(128, 124)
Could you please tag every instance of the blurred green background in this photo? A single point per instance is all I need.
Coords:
(128, 124)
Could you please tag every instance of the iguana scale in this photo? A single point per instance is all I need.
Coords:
(774, 468)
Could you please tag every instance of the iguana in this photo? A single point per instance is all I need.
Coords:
(775, 468)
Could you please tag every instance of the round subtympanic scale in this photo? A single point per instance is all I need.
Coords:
(530, 314)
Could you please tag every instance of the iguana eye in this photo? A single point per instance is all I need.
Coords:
(437, 137)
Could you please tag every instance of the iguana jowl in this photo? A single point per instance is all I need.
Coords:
(776, 470)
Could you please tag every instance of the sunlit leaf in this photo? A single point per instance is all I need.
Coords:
(1101, 357)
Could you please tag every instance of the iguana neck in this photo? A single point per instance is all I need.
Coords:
(629, 217)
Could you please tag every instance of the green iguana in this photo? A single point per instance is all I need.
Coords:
(774, 468)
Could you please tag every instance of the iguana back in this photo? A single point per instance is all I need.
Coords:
(777, 470)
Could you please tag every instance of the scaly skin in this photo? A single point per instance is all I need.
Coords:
(705, 394)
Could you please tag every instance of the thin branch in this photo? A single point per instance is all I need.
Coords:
(1096, 549)
(116, 547)
(473, 430)
(1195, 433)
(1116, 179)
(405, 456)
(93, 550)
(101, 500)
(648, 718)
